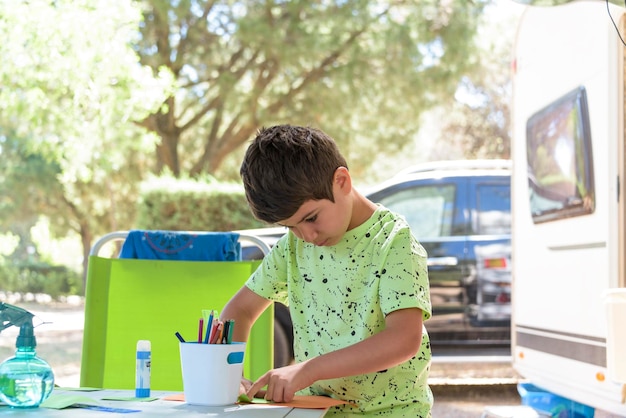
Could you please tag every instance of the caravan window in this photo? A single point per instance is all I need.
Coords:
(560, 172)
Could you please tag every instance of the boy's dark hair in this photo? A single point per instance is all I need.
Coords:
(287, 165)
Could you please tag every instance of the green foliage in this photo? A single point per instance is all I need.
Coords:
(29, 183)
(362, 71)
(477, 123)
(8, 244)
(194, 205)
(70, 98)
(55, 281)
(97, 94)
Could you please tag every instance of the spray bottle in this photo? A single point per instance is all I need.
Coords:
(25, 379)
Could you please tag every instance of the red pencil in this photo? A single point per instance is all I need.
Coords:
(215, 338)
(213, 331)
(200, 329)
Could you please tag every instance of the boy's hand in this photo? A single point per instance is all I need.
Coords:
(282, 383)
(245, 386)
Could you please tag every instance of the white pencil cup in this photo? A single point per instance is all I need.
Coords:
(211, 372)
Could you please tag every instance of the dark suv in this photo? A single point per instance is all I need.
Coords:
(460, 211)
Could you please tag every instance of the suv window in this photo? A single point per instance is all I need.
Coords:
(494, 209)
(429, 210)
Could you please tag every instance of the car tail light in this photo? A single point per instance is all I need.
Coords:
(503, 298)
(495, 263)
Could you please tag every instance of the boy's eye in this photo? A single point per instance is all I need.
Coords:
(311, 219)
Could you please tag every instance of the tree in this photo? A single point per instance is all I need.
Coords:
(70, 95)
(83, 117)
(363, 71)
(477, 122)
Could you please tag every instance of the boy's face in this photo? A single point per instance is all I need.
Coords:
(322, 222)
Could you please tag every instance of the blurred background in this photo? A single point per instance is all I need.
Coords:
(135, 114)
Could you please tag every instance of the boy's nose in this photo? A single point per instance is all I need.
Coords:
(308, 234)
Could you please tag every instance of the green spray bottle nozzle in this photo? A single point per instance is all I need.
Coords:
(11, 315)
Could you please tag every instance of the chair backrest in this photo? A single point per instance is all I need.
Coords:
(178, 245)
(129, 300)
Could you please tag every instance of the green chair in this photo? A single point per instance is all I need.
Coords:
(129, 300)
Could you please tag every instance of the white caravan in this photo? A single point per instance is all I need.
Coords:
(568, 202)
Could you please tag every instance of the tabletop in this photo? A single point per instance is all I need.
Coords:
(156, 408)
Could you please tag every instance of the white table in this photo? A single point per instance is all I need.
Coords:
(160, 408)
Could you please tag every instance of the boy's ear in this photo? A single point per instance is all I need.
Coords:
(343, 179)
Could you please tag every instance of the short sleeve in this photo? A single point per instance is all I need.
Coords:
(404, 280)
(269, 280)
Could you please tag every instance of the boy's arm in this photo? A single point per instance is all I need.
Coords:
(397, 343)
(244, 307)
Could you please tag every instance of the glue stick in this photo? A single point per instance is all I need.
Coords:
(142, 372)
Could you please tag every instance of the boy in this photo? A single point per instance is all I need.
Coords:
(352, 274)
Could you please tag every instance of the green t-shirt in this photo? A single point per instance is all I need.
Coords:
(339, 295)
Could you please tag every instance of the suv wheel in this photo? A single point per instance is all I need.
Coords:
(282, 348)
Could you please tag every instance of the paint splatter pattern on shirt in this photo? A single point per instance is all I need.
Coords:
(340, 295)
